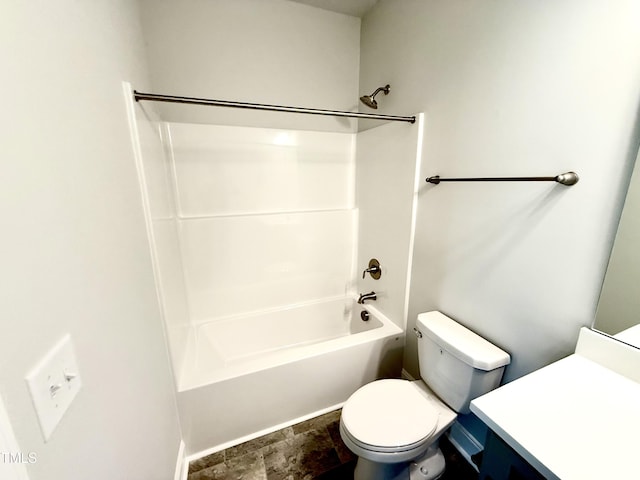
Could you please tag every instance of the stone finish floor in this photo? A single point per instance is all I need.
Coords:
(311, 450)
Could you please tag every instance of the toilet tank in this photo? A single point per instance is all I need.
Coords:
(457, 364)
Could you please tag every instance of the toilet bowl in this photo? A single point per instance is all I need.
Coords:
(409, 419)
(393, 425)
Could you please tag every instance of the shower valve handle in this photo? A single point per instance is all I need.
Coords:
(371, 270)
(374, 269)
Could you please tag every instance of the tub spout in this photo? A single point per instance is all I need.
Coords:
(366, 296)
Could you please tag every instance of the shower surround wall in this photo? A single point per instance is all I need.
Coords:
(245, 221)
(266, 217)
(150, 141)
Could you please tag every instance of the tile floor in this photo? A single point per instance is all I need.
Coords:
(311, 450)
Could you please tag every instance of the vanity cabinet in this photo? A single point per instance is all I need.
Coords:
(501, 462)
(575, 419)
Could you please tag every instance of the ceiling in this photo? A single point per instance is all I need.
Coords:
(356, 8)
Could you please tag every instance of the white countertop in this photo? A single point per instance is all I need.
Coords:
(571, 420)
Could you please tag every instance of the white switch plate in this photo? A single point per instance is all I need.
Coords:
(54, 382)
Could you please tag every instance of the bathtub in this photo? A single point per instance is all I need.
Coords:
(248, 375)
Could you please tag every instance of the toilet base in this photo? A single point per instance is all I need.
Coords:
(429, 466)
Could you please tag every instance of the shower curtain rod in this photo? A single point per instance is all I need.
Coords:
(259, 106)
(568, 178)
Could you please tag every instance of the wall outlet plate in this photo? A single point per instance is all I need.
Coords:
(54, 382)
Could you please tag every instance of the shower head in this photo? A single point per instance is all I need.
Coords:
(370, 100)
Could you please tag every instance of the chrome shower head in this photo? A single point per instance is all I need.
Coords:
(370, 100)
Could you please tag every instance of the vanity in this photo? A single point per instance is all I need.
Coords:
(577, 418)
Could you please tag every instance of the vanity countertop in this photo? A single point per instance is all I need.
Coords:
(572, 420)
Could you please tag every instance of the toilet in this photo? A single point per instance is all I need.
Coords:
(393, 425)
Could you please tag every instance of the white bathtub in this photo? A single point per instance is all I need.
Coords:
(245, 376)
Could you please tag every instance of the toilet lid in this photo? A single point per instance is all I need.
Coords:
(389, 413)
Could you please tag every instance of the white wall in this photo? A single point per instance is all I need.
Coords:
(512, 88)
(269, 52)
(9, 446)
(74, 249)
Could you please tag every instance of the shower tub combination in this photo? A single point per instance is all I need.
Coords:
(255, 374)
(261, 338)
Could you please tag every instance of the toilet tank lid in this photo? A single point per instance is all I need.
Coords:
(461, 342)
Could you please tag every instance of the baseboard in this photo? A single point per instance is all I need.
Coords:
(407, 376)
(464, 442)
(182, 465)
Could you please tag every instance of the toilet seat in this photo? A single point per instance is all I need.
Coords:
(389, 416)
